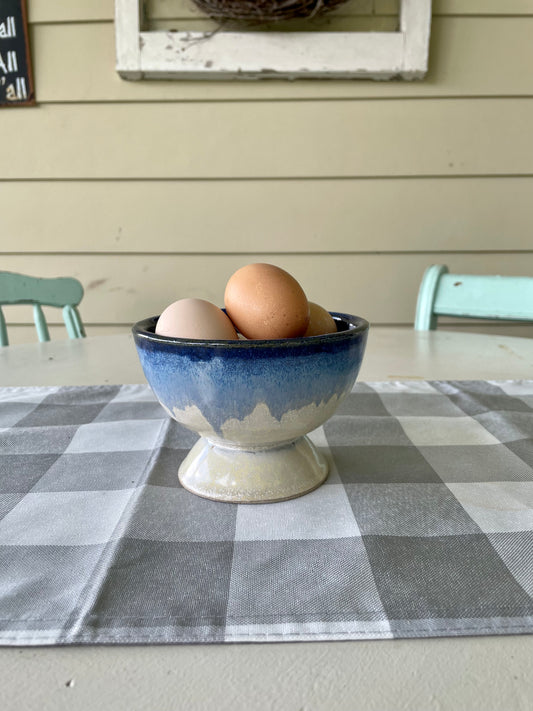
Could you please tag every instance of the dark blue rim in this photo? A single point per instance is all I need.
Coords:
(349, 326)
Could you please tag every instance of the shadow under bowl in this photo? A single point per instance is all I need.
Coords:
(253, 402)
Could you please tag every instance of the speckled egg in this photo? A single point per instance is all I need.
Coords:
(266, 302)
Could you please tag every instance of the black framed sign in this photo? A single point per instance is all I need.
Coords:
(16, 77)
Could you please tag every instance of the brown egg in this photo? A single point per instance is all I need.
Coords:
(265, 301)
(320, 321)
(195, 318)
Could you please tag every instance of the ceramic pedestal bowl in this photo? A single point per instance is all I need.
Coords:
(252, 402)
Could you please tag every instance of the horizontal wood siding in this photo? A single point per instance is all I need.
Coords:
(149, 191)
(297, 139)
(452, 214)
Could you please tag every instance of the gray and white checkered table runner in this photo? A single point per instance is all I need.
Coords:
(424, 527)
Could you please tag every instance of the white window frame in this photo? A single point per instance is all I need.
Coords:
(273, 55)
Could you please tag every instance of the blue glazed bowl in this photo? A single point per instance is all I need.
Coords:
(252, 402)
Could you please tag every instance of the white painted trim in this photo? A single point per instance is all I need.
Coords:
(415, 23)
(281, 55)
(128, 23)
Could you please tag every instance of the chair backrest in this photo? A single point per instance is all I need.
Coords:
(63, 292)
(472, 296)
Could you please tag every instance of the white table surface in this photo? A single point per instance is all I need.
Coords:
(441, 674)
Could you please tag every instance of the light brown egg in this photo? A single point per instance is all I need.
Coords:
(320, 321)
(195, 318)
(265, 301)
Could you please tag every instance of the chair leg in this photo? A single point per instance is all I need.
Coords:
(40, 323)
(73, 322)
(425, 319)
(4, 340)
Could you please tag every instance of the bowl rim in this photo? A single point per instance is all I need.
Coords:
(356, 325)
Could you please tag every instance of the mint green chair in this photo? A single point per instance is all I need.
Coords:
(63, 292)
(472, 296)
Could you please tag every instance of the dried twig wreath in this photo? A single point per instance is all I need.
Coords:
(264, 11)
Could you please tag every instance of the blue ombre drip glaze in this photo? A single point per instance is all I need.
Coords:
(227, 379)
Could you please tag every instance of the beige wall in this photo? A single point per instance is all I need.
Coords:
(151, 191)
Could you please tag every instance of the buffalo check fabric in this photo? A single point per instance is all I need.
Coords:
(424, 527)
